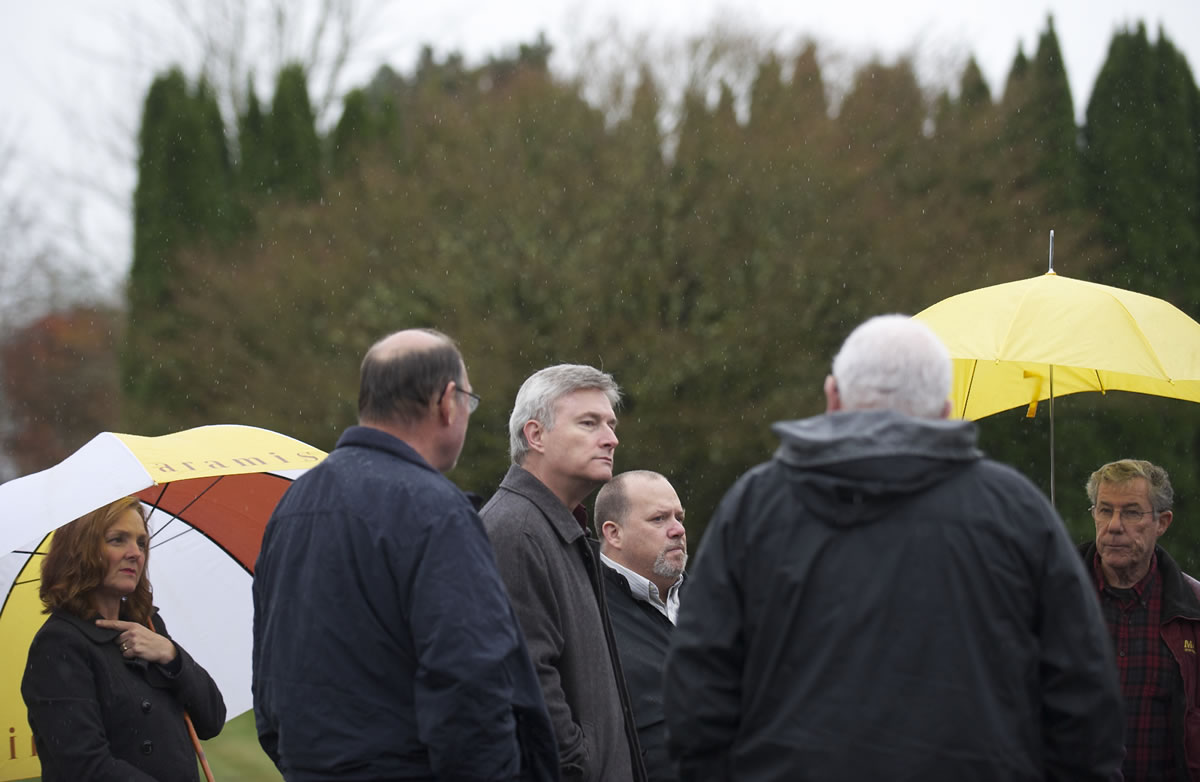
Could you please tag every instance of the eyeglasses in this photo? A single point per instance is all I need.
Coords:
(1128, 515)
(473, 399)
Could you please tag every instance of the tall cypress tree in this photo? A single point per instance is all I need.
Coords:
(255, 161)
(184, 196)
(1040, 122)
(353, 133)
(1143, 164)
(294, 147)
(158, 215)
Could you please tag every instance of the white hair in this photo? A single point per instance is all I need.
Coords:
(542, 390)
(892, 362)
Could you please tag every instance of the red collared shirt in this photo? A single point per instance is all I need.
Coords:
(1148, 672)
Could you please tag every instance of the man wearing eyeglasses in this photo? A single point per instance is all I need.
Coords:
(1152, 609)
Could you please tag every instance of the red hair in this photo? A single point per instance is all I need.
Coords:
(74, 568)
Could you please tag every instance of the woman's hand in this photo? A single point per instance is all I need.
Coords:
(138, 641)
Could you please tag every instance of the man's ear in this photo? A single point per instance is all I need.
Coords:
(610, 533)
(534, 430)
(833, 400)
(446, 407)
(1164, 520)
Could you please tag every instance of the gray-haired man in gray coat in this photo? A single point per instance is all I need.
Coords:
(563, 435)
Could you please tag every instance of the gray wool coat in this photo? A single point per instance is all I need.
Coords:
(551, 570)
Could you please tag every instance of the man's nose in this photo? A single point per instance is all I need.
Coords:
(677, 530)
(610, 437)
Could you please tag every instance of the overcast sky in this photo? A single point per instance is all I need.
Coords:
(74, 75)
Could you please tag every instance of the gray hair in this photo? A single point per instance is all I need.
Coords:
(892, 362)
(542, 390)
(1162, 495)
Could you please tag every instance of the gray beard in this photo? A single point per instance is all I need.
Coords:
(664, 569)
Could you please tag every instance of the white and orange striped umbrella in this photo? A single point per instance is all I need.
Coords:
(208, 494)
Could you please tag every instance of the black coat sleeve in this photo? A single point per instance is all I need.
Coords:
(1083, 720)
(193, 688)
(702, 694)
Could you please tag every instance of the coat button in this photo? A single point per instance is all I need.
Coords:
(146, 706)
(147, 747)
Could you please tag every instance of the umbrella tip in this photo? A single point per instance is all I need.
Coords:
(1051, 269)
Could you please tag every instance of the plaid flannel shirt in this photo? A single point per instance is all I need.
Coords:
(1148, 673)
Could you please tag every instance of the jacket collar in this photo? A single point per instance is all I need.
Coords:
(562, 520)
(379, 440)
(89, 628)
(1181, 592)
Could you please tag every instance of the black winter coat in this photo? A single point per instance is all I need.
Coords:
(99, 717)
(880, 602)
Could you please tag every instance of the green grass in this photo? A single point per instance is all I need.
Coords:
(235, 754)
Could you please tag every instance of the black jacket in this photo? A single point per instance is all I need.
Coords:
(385, 646)
(880, 602)
(643, 635)
(97, 716)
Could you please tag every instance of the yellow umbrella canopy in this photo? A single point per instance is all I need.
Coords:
(1023, 342)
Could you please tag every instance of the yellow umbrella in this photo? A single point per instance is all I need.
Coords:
(1023, 342)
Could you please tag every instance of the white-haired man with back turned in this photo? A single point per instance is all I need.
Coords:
(879, 601)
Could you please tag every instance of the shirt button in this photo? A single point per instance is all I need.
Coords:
(146, 706)
(1121, 653)
(147, 747)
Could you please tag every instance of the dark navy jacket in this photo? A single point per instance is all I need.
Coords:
(385, 646)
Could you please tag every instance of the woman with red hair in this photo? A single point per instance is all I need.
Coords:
(106, 687)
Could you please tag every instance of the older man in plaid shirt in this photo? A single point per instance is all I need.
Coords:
(1152, 609)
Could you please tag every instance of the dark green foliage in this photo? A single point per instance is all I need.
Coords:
(295, 151)
(352, 134)
(255, 159)
(712, 266)
(1143, 163)
(185, 196)
(974, 94)
(1040, 125)
(184, 187)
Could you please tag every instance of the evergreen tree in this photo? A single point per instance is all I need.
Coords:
(158, 214)
(1143, 164)
(353, 132)
(184, 196)
(254, 162)
(973, 92)
(184, 191)
(1040, 118)
(292, 134)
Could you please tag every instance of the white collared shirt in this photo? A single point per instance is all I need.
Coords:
(646, 590)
